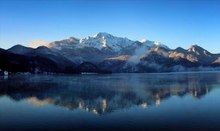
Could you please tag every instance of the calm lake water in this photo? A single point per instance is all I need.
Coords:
(173, 101)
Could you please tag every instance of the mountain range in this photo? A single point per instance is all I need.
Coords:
(105, 53)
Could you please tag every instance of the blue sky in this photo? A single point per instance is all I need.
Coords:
(172, 22)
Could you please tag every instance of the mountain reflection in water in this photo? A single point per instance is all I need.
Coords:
(104, 94)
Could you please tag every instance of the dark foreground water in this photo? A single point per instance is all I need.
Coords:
(181, 101)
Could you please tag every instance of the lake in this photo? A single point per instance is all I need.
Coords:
(166, 101)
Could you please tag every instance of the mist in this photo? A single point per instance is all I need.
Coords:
(135, 59)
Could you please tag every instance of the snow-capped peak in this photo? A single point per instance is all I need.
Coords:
(105, 40)
(159, 44)
(102, 34)
(148, 43)
(153, 44)
(143, 40)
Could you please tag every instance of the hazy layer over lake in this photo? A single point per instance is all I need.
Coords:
(173, 101)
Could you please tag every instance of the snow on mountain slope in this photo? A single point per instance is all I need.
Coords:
(153, 44)
(105, 40)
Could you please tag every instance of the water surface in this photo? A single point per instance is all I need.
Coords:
(173, 101)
